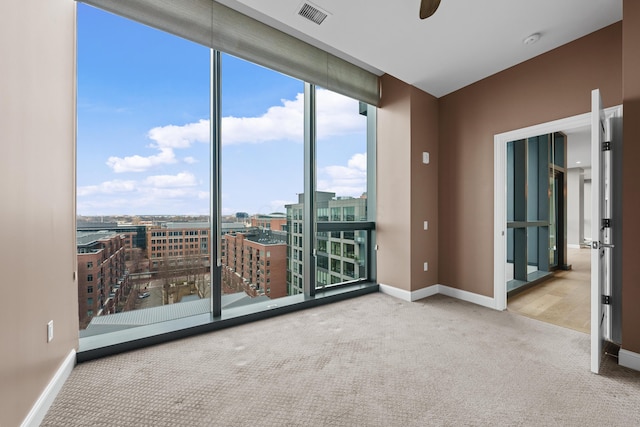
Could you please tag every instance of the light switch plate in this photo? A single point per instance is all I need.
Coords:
(50, 331)
(425, 157)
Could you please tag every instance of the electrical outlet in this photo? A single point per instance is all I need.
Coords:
(426, 225)
(425, 157)
(426, 266)
(50, 331)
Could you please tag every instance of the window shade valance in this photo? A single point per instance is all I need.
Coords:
(222, 28)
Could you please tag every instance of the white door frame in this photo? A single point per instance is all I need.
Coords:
(500, 190)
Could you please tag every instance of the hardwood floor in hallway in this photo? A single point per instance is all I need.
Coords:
(563, 300)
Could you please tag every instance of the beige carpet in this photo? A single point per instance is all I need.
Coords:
(369, 361)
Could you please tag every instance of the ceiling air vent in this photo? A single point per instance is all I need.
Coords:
(312, 13)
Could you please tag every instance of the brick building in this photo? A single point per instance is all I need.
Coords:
(175, 242)
(135, 235)
(102, 275)
(255, 262)
(276, 222)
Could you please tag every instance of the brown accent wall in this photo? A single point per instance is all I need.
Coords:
(424, 189)
(393, 184)
(551, 86)
(631, 176)
(407, 189)
(37, 167)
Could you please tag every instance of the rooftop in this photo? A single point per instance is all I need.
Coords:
(84, 238)
(267, 237)
(175, 225)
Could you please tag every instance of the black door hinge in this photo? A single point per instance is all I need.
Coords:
(606, 223)
(606, 146)
(606, 299)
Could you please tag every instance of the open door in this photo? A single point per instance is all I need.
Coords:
(600, 230)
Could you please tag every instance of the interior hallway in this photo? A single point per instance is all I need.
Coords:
(563, 300)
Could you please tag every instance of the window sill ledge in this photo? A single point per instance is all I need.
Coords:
(107, 344)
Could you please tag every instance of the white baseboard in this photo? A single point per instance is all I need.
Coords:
(629, 359)
(395, 292)
(438, 289)
(467, 296)
(572, 246)
(42, 405)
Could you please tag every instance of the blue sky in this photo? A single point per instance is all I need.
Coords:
(143, 129)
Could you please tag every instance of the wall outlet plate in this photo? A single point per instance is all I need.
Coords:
(426, 266)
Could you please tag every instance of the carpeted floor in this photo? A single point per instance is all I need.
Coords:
(369, 361)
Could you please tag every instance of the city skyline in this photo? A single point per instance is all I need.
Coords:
(143, 128)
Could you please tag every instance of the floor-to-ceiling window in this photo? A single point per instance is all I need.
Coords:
(194, 168)
(262, 175)
(342, 188)
(142, 173)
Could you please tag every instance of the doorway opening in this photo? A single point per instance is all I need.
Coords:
(606, 157)
(576, 175)
(541, 280)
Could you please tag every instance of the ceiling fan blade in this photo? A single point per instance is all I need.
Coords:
(428, 8)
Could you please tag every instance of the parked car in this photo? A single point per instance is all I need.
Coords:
(143, 295)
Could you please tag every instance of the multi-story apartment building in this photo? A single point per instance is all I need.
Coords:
(255, 262)
(175, 242)
(135, 235)
(102, 275)
(339, 254)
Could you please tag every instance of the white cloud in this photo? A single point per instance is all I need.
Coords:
(183, 179)
(107, 187)
(358, 162)
(172, 136)
(165, 139)
(154, 194)
(280, 122)
(190, 160)
(138, 163)
(337, 115)
(350, 180)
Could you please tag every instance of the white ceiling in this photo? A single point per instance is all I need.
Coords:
(463, 42)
